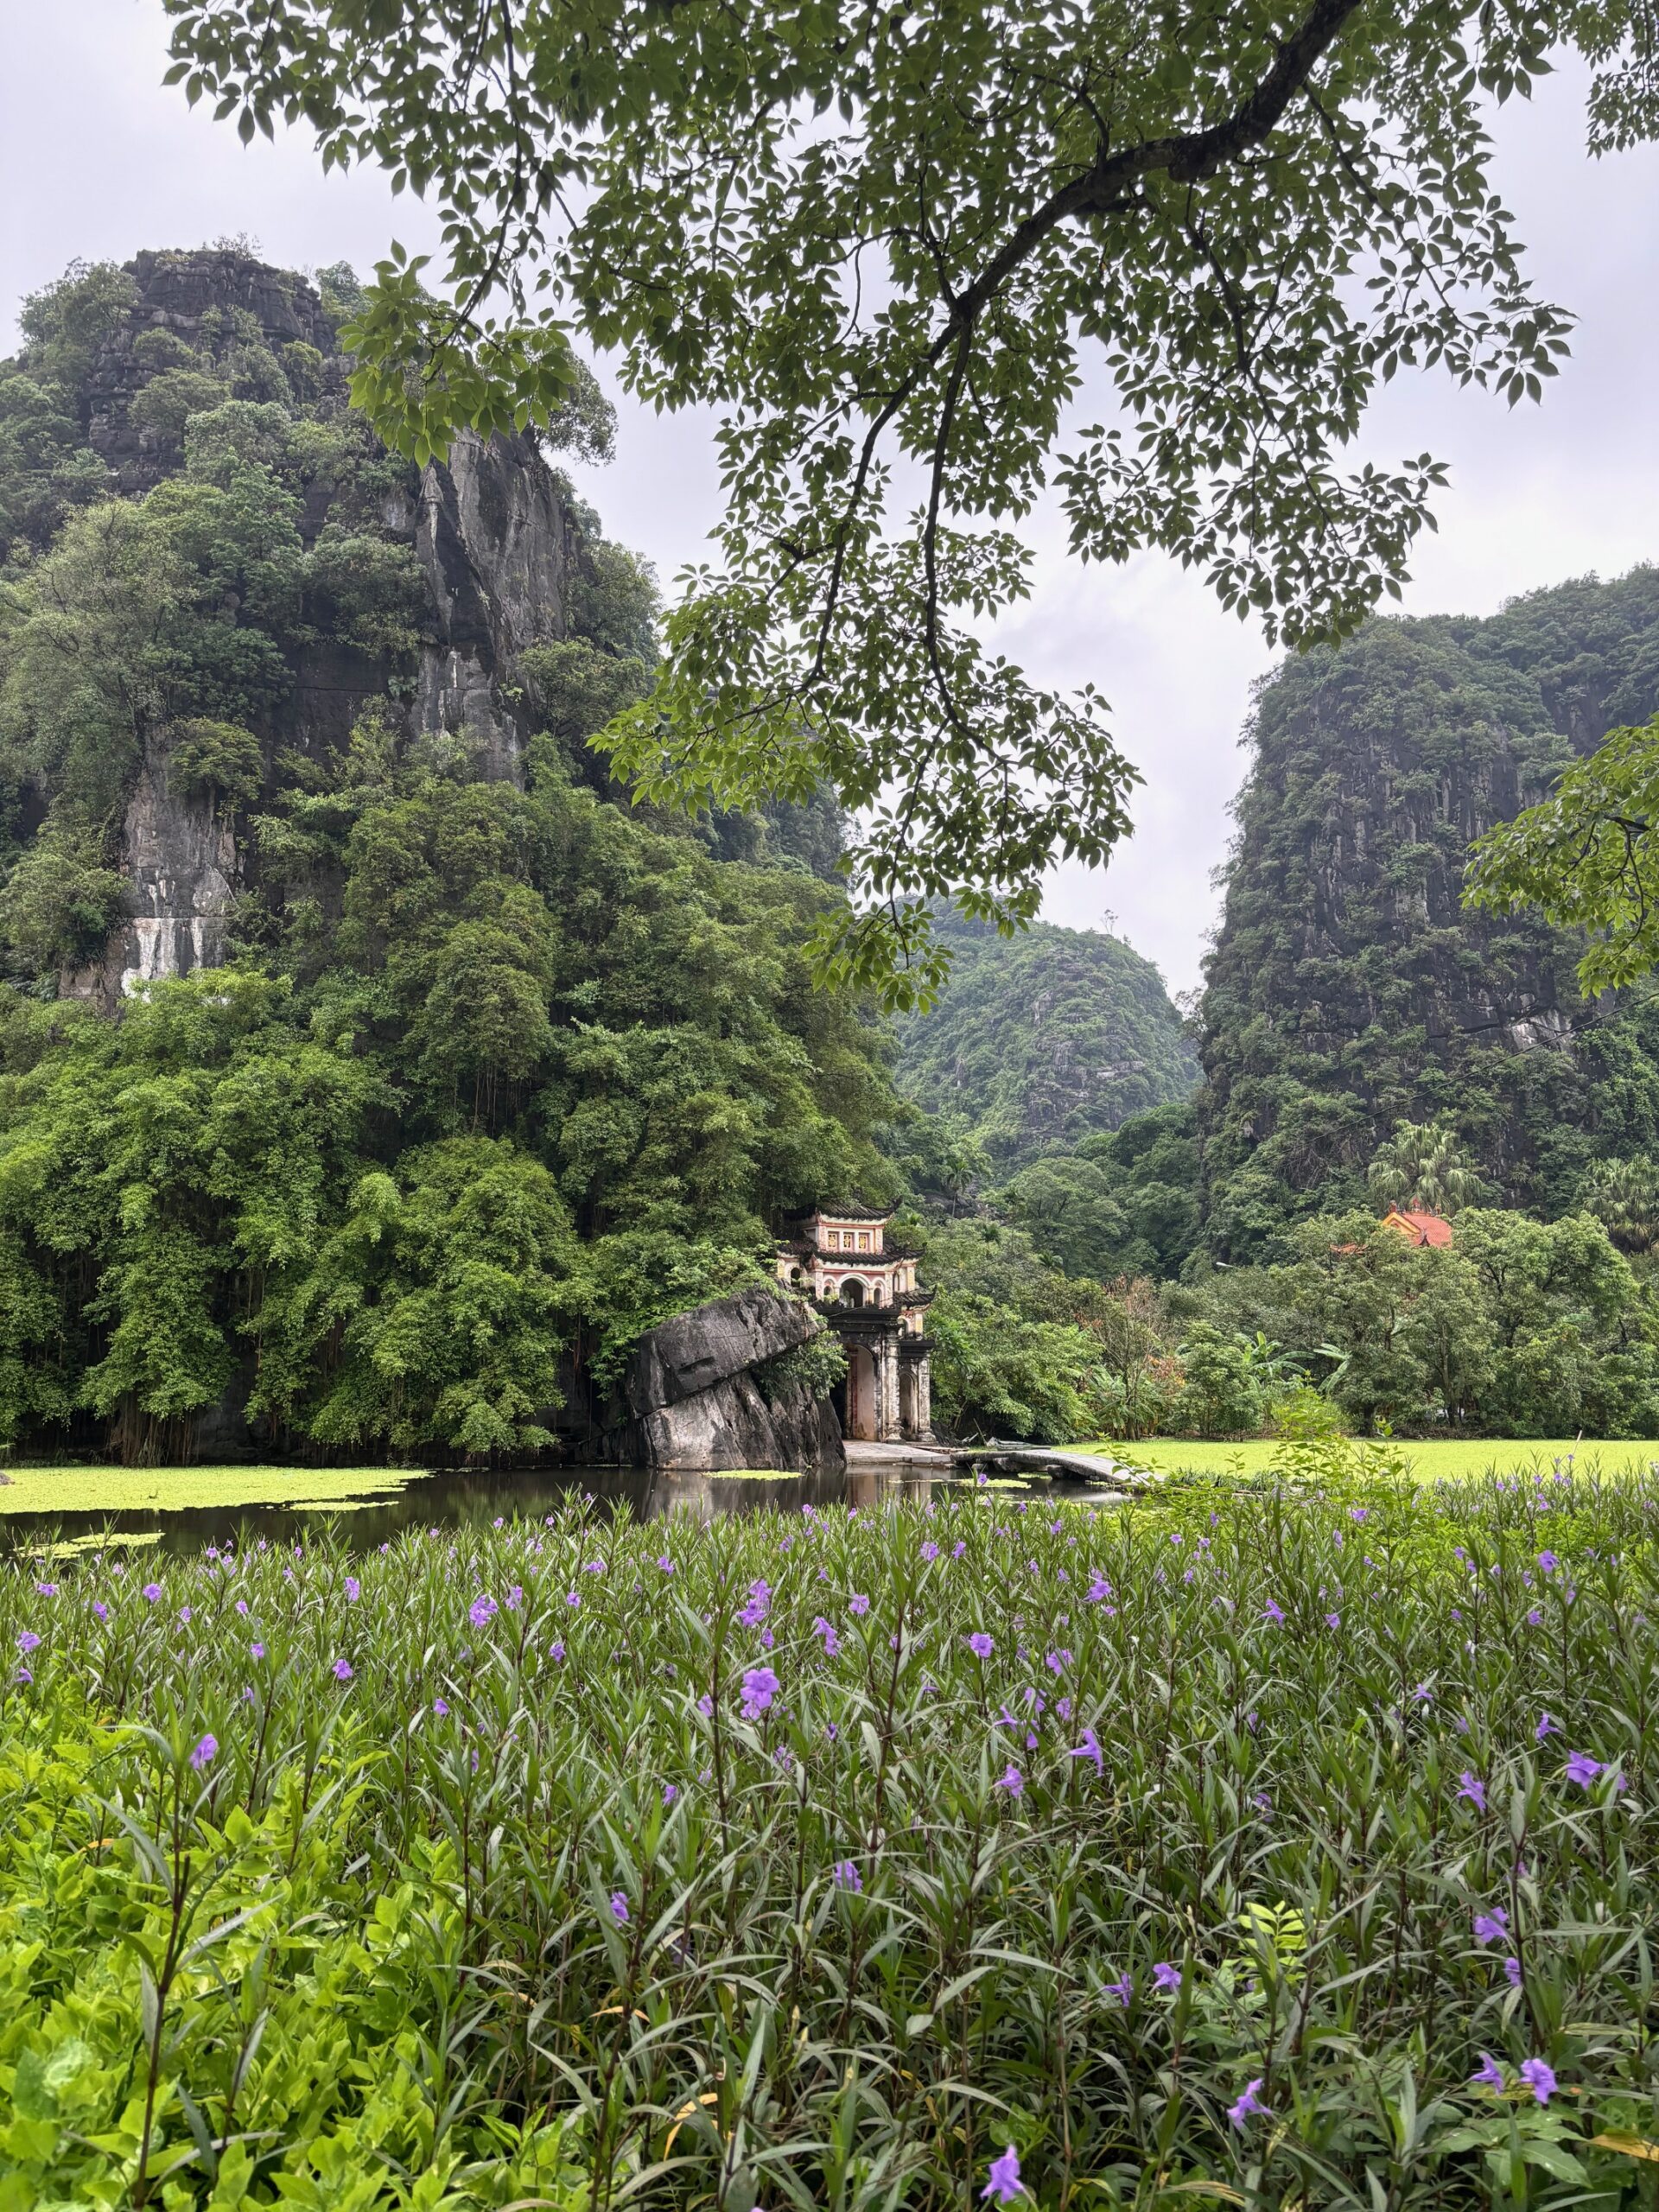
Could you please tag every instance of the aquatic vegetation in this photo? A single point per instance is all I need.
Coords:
(1273, 1846)
(102, 1489)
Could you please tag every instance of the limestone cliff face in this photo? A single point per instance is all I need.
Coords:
(496, 544)
(491, 531)
(1349, 989)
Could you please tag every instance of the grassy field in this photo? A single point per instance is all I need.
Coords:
(153, 1489)
(1433, 1459)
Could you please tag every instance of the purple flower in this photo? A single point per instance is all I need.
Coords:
(1099, 1588)
(706, 1705)
(981, 1644)
(858, 1603)
(1534, 1619)
(1471, 1786)
(1011, 1779)
(440, 1709)
(1540, 2078)
(1491, 1927)
(930, 1551)
(256, 1651)
(1547, 1727)
(184, 1614)
(1058, 1662)
(831, 1639)
(671, 1791)
(1548, 1562)
(1488, 2073)
(760, 1686)
(1333, 1620)
(846, 1875)
(353, 1589)
(100, 1609)
(481, 1611)
(1089, 1749)
(1005, 2184)
(758, 1605)
(619, 1907)
(1247, 2104)
(46, 1589)
(1123, 1989)
(205, 1753)
(1582, 1769)
(27, 1641)
(571, 1598)
(556, 1650)
(153, 1591)
(1272, 1611)
(666, 1564)
(1166, 1975)
(1512, 1972)
(342, 1670)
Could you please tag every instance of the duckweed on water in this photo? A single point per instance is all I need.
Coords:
(168, 1489)
(1282, 1849)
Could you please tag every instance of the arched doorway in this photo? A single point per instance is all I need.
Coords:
(852, 1292)
(861, 1418)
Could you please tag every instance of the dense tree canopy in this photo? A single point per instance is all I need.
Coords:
(496, 1071)
(894, 246)
(1586, 856)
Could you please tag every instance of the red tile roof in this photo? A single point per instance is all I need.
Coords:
(1429, 1228)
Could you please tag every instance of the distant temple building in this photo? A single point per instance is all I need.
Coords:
(868, 1297)
(1420, 1229)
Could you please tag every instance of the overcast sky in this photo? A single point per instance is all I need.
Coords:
(97, 160)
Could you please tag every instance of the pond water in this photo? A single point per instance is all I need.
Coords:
(436, 1500)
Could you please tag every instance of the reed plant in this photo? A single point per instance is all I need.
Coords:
(1279, 1844)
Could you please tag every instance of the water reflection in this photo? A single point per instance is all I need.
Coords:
(438, 1500)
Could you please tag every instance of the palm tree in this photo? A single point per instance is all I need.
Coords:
(1624, 1193)
(1424, 1165)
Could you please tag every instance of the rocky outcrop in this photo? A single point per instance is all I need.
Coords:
(496, 541)
(698, 1393)
(1349, 987)
(181, 855)
(491, 529)
(176, 293)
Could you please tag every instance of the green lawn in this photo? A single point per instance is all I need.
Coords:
(152, 1489)
(1432, 1461)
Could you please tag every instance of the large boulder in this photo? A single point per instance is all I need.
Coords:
(700, 1393)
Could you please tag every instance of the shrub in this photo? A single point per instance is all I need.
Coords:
(60, 903)
(1223, 1393)
(214, 760)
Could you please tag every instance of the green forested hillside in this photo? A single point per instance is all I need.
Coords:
(1349, 989)
(362, 1067)
(1044, 1039)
